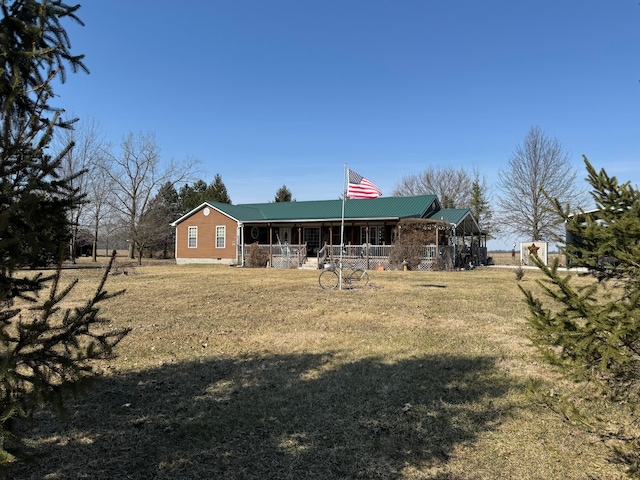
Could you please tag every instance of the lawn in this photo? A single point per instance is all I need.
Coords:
(235, 373)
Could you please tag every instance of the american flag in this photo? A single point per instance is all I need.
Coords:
(360, 187)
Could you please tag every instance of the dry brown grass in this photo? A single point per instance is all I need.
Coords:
(254, 373)
(505, 258)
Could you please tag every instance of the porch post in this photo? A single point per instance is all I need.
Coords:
(437, 262)
(300, 256)
(330, 241)
(454, 230)
(240, 242)
(270, 245)
(368, 239)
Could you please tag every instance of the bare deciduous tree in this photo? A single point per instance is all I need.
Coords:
(100, 198)
(136, 175)
(538, 168)
(453, 186)
(85, 156)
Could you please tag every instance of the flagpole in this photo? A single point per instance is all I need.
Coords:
(344, 198)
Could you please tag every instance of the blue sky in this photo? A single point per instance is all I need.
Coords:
(273, 92)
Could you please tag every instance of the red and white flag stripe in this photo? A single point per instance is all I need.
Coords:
(360, 187)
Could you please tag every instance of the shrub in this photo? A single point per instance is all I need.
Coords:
(411, 237)
(258, 256)
(407, 248)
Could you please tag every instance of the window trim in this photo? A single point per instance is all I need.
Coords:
(190, 229)
(223, 237)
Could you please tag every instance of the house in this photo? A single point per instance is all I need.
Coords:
(307, 233)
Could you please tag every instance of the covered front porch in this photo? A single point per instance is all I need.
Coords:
(366, 245)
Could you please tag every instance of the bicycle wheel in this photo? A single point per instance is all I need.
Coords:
(359, 278)
(328, 280)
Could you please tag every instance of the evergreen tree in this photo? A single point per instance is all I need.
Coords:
(192, 195)
(44, 350)
(217, 192)
(481, 207)
(170, 200)
(34, 198)
(447, 202)
(283, 194)
(154, 229)
(591, 332)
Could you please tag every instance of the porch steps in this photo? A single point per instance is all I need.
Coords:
(310, 264)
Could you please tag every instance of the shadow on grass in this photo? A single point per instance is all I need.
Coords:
(274, 417)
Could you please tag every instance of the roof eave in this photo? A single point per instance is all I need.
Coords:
(328, 219)
(199, 207)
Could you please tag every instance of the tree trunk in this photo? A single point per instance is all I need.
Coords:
(94, 250)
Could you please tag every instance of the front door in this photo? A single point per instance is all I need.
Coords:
(311, 236)
(284, 235)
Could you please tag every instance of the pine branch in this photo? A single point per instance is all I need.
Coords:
(50, 351)
(591, 333)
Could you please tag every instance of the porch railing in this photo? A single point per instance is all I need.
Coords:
(371, 257)
(282, 256)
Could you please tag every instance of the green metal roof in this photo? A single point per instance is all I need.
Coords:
(451, 215)
(460, 217)
(381, 208)
(329, 210)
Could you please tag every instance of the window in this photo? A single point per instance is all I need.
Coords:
(376, 235)
(220, 236)
(193, 237)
